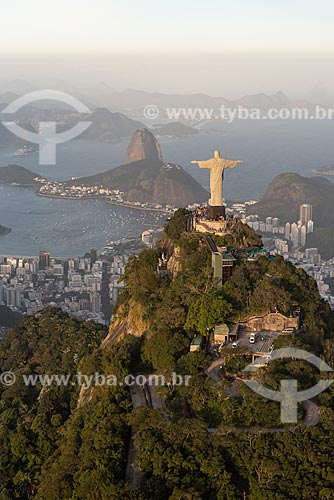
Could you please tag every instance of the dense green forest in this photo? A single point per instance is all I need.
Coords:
(213, 440)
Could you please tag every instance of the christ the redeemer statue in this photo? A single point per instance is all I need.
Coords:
(217, 165)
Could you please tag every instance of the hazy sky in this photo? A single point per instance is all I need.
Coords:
(244, 46)
(104, 26)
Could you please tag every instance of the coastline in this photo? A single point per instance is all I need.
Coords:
(105, 198)
(323, 172)
(161, 210)
(16, 184)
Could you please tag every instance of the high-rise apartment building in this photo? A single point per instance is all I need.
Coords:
(44, 260)
(305, 213)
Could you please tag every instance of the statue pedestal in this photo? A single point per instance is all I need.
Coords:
(216, 212)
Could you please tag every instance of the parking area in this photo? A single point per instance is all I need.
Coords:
(263, 341)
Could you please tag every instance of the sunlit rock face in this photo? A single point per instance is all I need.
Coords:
(143, 146)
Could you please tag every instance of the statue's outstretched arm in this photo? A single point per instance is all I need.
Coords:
(201, 164)
(233, 163)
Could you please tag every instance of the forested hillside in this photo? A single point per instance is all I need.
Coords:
(214, 439)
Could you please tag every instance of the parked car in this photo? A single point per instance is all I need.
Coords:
(290, 329)
(235, 344)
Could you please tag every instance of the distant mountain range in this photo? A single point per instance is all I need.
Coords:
(106, 126)
(287, 192)
(103, 95)
(133, 102)
(130, 99)
(116, 115)
(134, 99)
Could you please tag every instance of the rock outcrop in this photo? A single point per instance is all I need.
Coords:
(174, 263)
(143, 146)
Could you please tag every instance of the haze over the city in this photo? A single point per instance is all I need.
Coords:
(218, 47)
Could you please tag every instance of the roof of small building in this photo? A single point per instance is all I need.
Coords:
(197, 340)
(222, 329)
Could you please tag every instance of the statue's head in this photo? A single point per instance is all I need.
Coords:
(216, 154)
